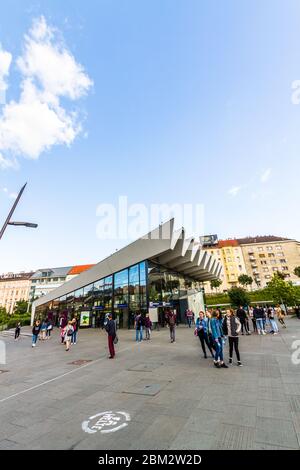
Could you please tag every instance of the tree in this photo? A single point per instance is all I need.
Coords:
(297, 271)
(238, 296)
(245, 280)
(215, 284)
(282, 292)
(21, 307)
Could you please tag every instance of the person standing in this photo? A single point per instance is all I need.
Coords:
(231, 328)
(259, 315)
(17, 331)
(252, 319)
(271, 318)
(110, 329)
(35, 332)
(49, 329)
(138, 325)
(189, 317)
(217, 335)
(75, 324)
(171, 322)
(280, 315)
(69, 330)
(202, 333)
(242, 316)
(148, 326)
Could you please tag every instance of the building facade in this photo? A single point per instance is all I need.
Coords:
(13, 288)
(230, 255)
(44, 281)
(258, 257)
(264, 256)
(159, 271)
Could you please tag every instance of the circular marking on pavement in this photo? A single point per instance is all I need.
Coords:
(106, 422)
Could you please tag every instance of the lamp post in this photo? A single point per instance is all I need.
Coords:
(8, 219)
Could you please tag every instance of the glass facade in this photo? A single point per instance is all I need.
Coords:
(134, 289)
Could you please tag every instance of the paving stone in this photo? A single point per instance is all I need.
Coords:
(232, 437)
(276, 432)
(274, 409)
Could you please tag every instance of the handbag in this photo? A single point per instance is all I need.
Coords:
(116, 340)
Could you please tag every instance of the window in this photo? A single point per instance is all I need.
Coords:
(285, 268)
(280, 253)
(269, 248)
(268, 276)
(283, 261)
(260, 248)
(262, 256)
(121, 288)
(271, 255)
(263, 263)
(265, 270)
(273, 261)
(278, 247)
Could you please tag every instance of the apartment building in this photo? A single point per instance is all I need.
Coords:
(267, 255)
(13, 288)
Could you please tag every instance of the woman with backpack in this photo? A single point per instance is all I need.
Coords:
(69, 330)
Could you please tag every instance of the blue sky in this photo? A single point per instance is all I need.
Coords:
(179, 101)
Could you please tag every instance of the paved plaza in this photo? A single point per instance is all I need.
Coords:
(171, 397)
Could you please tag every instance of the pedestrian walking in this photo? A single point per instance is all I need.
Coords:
(202, 333)
(17, 331)
(138, 325)
(231, 328)
(217, 334)
(35, 332)
(171, 322)
(110, 328)
(280, 315)
(148, 327)
(242, 316)
(69, 330)
(189, 314)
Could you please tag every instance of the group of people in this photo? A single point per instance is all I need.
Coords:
(213, 329)
(42, 330)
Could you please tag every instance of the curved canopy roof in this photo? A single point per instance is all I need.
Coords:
(164, 245)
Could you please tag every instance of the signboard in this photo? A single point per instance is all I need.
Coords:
(209, 240)
(153, 315)
(85, 318)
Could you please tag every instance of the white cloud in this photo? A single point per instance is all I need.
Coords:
(13, 195)
(266, 175)
(38, 121)
(234, 191)
(5, 62)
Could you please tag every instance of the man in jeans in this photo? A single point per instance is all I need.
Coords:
(171, 321)
(138, 324)
(259, 315)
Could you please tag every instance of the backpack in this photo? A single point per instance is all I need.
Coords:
(70, 332)
(172, 320)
